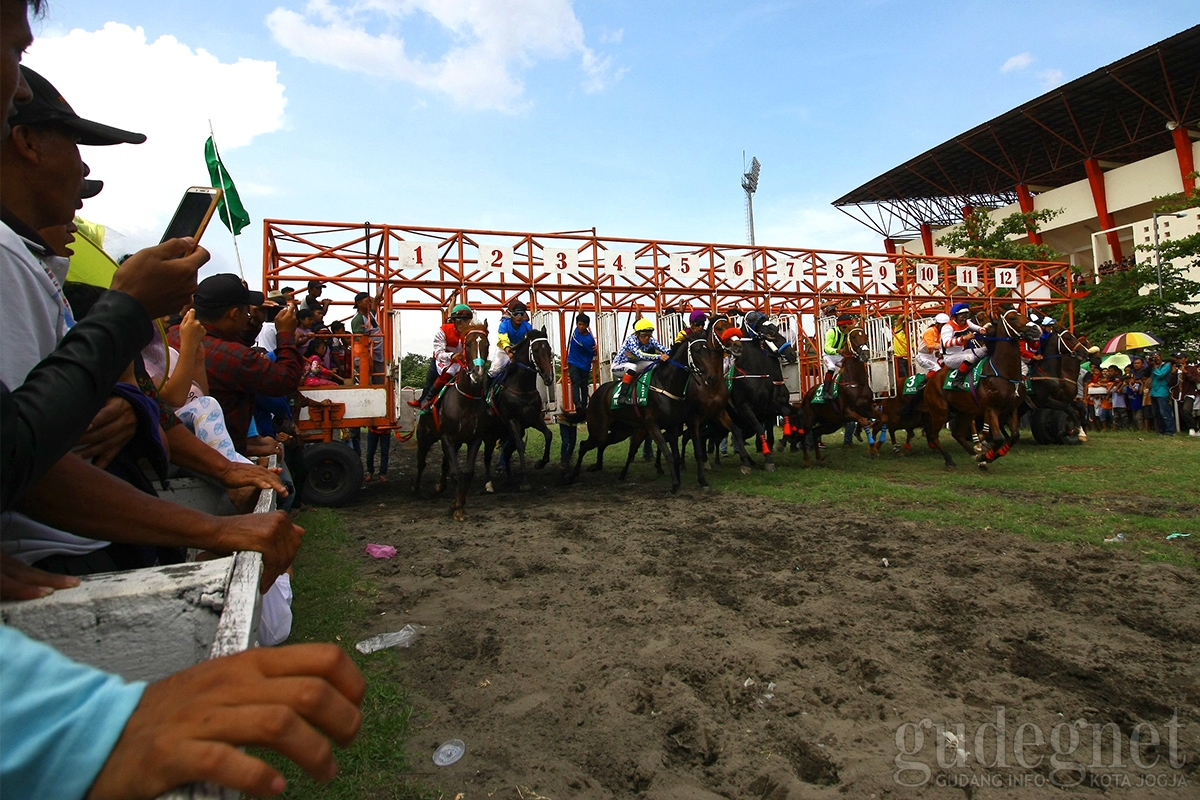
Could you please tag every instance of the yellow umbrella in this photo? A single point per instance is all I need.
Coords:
(90, 264)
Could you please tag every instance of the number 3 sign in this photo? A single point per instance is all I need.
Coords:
(559, 260)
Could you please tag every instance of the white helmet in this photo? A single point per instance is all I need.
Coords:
(1047, 321)
(942, 319)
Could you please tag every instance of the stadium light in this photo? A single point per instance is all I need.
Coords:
(750, 186)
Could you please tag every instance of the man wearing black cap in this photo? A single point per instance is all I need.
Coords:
(236, 372)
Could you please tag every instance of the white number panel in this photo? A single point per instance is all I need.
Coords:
(559, 260)
(618, 263)
(685, 266)
(967, 277)
(495, 257)
(415, 256)
(1006, 277)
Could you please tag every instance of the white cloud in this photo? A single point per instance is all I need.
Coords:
(1018, 62)
(493, 41)
(167, 91)
(817, 227)
(612, 37)
(1050, 78)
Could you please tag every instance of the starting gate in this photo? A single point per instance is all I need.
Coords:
(881, 369)
(789, 326)
(418, 270)
(916, 330)
(544, 319)
(670, 323)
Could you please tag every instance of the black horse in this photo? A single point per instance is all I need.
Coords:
(516, 405)
(759, 393)
(1054, 381)
(692, 362)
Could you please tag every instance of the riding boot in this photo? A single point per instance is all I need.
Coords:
(626, 389)
(828, 383)
(430, 376)
(435, 390)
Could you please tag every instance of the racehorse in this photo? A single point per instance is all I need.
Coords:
(996, 397)
(855, 403)
(458, 417)
(692, 362)
(759, 394)
(516, 404)
(1054, 380)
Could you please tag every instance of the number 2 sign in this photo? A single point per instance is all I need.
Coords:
(496, 258)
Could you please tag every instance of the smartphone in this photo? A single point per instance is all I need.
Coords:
(195, 210)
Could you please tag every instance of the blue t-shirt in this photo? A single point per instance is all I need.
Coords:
(581, 352)
(1159, 378)
(515, 332)
(61, 719)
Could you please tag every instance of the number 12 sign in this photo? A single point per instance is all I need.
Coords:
(1006, 277)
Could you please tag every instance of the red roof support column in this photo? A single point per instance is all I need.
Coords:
(1096, 181)
(889, 247)
(1187, 164)
(927, 238)
(1026, 201)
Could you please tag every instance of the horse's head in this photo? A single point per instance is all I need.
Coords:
(719, 341)
(705, 362)
(475, 351)
(541, 357)
(857, 345)
(1011, 323)
(776, 343)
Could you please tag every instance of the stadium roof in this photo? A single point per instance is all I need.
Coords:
(1116, 115)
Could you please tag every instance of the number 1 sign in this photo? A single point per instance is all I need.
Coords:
(416, 256)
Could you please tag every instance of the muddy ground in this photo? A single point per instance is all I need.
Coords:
(608, 640)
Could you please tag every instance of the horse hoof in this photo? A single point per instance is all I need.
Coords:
(459, 515)
(705, 487)
(745, 470)
(593, 468)
(708, 466)
(441, 487)
(489, 488)
(769, 467)
(541, 465)
(983, 465)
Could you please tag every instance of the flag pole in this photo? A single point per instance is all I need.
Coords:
(225, 203)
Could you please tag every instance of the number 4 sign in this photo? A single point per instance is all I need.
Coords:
(415, 255)
(619, 262)
(1006, 277)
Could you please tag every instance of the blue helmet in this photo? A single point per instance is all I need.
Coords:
(958, 308)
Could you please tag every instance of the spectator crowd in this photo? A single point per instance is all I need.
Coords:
(1149, 394)
(97, 412)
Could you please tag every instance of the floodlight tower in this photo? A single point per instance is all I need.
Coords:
(750, 185)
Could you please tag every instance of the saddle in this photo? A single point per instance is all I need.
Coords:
(641, 390)
(821, 397)
(964, 381)
(913, 384)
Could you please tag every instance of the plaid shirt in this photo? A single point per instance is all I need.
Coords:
(236, 373)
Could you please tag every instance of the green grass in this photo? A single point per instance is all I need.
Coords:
(331, 605)
(1141, 485)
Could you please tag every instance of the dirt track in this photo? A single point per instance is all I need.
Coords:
(609, 641)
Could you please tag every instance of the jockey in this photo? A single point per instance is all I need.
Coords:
(835, 340)
(1029, 354)
(929, 351)
(958, 337)
(729, 337)
(696, 322)
(447, 352)
(512, 331)
(639, 350)
(750, 324)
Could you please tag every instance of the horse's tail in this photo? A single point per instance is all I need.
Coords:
(574, 417)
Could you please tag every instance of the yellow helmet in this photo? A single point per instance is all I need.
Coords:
(643, 325)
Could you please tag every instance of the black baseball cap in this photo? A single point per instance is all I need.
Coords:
(217, 293)
(48, 105)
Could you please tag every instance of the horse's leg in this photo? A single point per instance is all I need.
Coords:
(873, 447)
(673, 440)
(697, 449)
(540, 426)
(464, 480)
(661, 441)
(635, 441)
(449, 458)
(739, 442)
(516, 433)
(424, 442)
(760, 435)
(939, 412)
(991, 428)
(489, 444)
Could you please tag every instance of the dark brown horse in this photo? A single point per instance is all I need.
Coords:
(855, 403)
(1055, 378)
(759, 393)
(458, 417)
(517, 405)
(996, 398)
(692, 361)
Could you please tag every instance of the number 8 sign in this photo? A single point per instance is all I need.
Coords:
(1006, 277)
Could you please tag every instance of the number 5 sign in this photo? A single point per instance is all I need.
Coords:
(683, 265)
(1006, 277)
(559, 260)
(415, 255)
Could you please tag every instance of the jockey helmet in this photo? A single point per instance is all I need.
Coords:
(517, 308)
(845, 319)
(731, 335)
(1048, 321)
(643, 326)
(753, 319)
(942, 319)
(960, 308)
(461, 311)
(697, 317)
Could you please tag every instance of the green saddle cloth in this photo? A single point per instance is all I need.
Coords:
(641, 390)
(913, 384)
(957, 381)
(820, 397)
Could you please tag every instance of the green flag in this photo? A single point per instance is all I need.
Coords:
(230, 208)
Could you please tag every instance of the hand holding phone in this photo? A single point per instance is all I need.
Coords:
(195, 210)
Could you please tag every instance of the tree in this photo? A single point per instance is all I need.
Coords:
(1128, 300)
(982, 237)
(412, 370)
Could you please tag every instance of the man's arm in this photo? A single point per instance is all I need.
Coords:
(101, 506)
(189, 452)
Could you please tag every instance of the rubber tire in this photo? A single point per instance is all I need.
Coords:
(1057, 425)
(335, 474)
(1038, 426)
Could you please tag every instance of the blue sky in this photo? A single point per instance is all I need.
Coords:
(551, 115)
